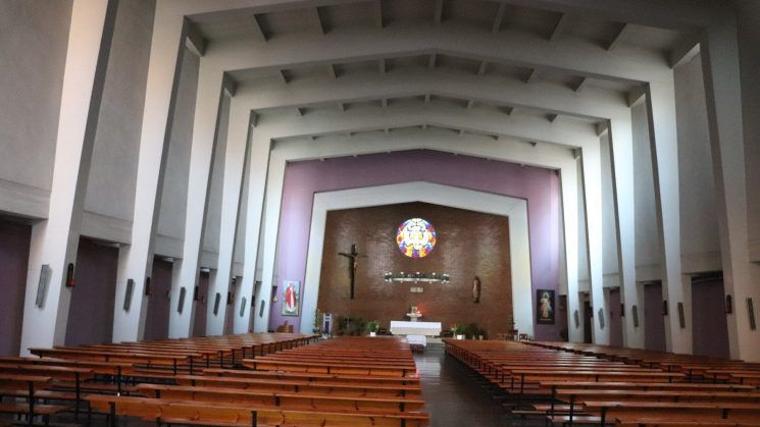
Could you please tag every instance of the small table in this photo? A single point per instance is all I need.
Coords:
(416, 332)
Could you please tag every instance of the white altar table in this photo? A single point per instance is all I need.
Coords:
(428, 329)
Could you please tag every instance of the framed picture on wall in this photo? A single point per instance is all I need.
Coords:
(545, 312)
(291, 297)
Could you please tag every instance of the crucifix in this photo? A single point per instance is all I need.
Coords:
(352, 264)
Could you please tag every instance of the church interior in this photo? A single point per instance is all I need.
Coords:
(379, 213)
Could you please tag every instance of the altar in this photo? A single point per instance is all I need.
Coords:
(428, 329)
(416, 332)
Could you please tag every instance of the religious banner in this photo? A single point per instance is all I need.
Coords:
(545, 306)
(291, 297)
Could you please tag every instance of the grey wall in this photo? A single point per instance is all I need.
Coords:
(610, 263)
(34, 34)
(700, 245)
(214, 211)
(645, 210)
(14, 253)
(171, 220)
(111, 185)
(749, 40)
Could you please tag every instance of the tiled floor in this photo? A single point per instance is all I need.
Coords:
(453, 396)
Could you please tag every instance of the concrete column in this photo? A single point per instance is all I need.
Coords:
(207, 109)
(569, 177)
(167, 48)
(621, 139)
(663, 135)
(55, 241)
(720, 62)
(259, 164)
(592, 186)
(237, 161)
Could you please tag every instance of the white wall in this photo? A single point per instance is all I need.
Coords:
(112, 180)
(171, 220)
(214, 210)
(33, 40)
(610, 263)
(700, 244)
(645, 211)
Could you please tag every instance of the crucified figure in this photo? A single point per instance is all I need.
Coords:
(352, 264)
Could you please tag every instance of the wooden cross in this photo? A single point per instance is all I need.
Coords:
(352, 264)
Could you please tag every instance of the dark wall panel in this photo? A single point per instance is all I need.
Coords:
(654, 321)
(92, 298)
(14, 255)
(710, 327)
(157, 320)
(469, 244)
(615, 319)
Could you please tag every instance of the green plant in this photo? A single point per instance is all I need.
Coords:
(317, 321)
(373, 326)
(457, 329)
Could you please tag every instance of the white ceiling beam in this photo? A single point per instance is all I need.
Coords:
(594, 104)
(470, 104)
(300, 111)
(379, 20)
(195, 41)
(438, 11)
(507, 110)
(283, 76)
(552, 117)
(581, 84)
(527, 127)
(499, 18)
(559, 27)
(332, 72)
(317, 21)
(533, 76)
(258, 29)
(482, 68)
(569, 55)
(618, 36)
(635, 96)
(685, 50)
(341, 106)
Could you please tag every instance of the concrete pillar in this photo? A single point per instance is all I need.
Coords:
(207, 109)
(569, 177)
(621, 139)
(661, 105)
(237, 161)
(55, 241)
(167, 48)
(592, 186)
(259, 164)
(720, 62)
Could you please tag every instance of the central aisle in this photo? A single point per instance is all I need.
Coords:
(453, 396)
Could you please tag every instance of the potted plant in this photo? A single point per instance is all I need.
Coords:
(317, 322)
(458, 332)
(372, 327)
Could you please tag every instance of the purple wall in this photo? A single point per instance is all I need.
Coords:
(92, 298)
(654, 321)
(709, 318)
(14, 255)
(540, 187)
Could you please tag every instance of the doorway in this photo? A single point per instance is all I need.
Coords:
(615, 317)
(201, 305)
(654, 321)
(157, 319)
(708, 316)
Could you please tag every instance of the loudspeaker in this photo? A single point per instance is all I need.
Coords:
(635, 313)
(242, 307)
(261, 308)
(146, 291)
(42, 285)
(181, 302)
(729, 304)
(577, 319)
(128, 294)
(665, 307)
(70, 275)
(751, 313)
(601, 318)
(681, 316)
(217, 300)
(622, 309)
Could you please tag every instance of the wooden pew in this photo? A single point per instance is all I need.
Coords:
(10, 383)
(200, 413)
